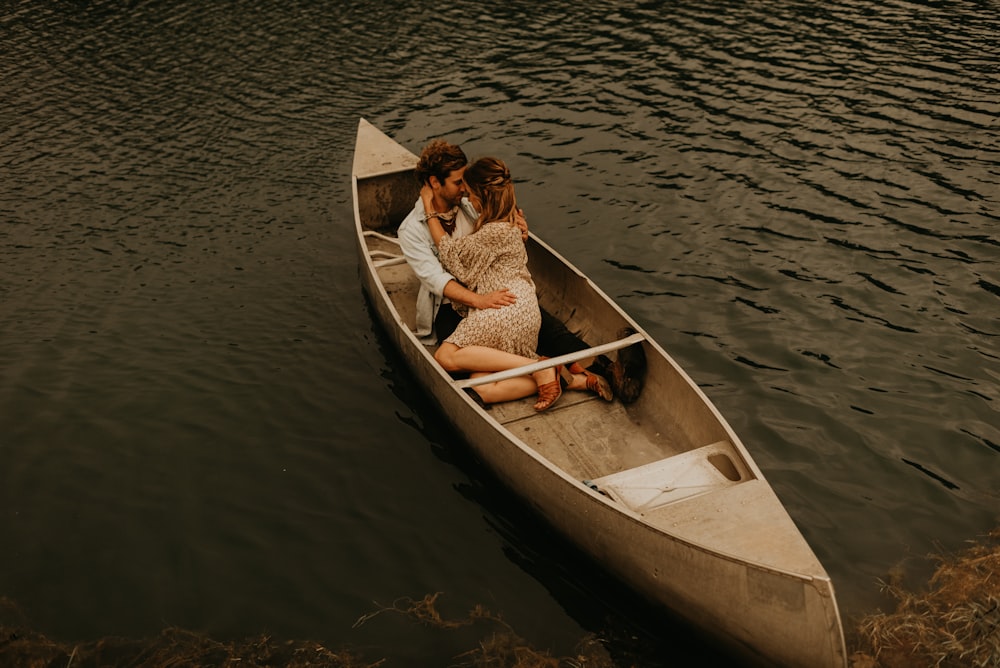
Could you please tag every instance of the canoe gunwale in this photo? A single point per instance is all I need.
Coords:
(431, 366)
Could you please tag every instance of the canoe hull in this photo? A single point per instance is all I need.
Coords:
(692, 553)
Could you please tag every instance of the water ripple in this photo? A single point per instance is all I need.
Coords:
(798, 199)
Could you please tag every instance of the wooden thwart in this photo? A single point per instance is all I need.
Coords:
(568, 358)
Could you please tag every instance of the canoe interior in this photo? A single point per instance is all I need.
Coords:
(584, 436)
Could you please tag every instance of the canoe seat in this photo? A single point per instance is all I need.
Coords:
(665, 481)
(382, 258)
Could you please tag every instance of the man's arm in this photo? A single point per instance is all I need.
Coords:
(420, 253)
(457, 292)
(419, 250)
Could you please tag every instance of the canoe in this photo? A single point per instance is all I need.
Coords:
(660, 491)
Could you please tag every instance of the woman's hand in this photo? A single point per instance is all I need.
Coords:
(522, 223)
(433, 222)
(427, 198)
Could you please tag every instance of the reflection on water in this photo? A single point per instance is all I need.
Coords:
(200, 425)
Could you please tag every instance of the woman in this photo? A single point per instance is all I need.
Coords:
(492, 258)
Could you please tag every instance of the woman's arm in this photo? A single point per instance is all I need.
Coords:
(454, 290)
(433, 222)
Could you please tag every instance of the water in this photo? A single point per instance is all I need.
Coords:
(200, 426)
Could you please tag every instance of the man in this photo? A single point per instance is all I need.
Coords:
(441, 167)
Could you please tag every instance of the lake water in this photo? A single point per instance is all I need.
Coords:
(201, 427)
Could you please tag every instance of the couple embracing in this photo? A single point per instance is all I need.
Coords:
(464, 239)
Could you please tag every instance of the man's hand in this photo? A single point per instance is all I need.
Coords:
(522, 223)
(495, 299)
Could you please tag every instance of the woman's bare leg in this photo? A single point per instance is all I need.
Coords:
(507, 390)
(477, 358)
(480, 359)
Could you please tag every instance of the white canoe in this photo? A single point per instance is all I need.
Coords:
(660, 491)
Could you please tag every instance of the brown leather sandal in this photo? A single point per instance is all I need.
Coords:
(596, 383)
(549, 393)
(599, 385)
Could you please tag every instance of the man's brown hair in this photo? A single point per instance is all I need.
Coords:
(439, 159)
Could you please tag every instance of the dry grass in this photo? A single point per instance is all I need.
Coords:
(956, 623)
(499, 646)
(173, 647)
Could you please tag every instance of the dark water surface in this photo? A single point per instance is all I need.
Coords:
(200, 427)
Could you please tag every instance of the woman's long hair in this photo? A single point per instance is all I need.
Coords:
(489, 180)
